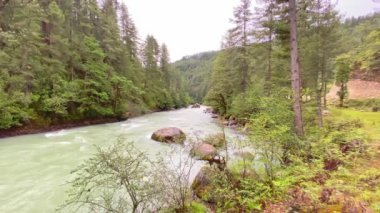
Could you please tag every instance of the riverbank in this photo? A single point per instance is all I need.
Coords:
(341, 172)
(33, 129)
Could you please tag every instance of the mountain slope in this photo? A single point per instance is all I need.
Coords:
(197, 71)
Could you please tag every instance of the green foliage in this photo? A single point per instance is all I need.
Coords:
(271, 133)
(13, 110)
(363, 36)
(66, 60)
(165, 91)
(229, 190)
(246, 104)
(272, 176)
(367, 104)
(226, 80)
(196, 70)
(117, 178)
(343, 70)
(196, 207)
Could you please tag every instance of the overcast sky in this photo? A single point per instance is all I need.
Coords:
(192, 26)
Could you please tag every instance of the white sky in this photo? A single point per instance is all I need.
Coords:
(192, 26)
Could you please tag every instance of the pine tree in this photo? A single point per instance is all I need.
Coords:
(239, 38)
(264, 31)
(165, 66)
(151, 58)
(129, 32)
(110, 36)
(223, 81)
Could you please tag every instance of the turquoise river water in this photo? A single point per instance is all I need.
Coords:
(34, 169)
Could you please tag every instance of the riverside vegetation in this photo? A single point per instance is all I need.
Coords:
(304, 153)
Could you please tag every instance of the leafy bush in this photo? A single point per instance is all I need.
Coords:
(196, 207)
(245, 104)
(272, 132)
(115, 179)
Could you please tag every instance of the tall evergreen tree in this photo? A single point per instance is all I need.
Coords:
(164, 65)
(264, 31)
(128, 32)
(239, 38)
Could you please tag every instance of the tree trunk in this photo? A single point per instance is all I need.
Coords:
(321, 90)
(321, 67)
(295, 69)
(325, 92)
(341, 94)
(245, 78)
(319, 108)
(268, 79)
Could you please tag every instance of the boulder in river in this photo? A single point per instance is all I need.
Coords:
(214, 116)
(204, 151)
(208, 110)
(169, 135)
(196, 105)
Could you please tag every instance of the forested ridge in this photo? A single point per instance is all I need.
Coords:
(75, 60)
(196, 70)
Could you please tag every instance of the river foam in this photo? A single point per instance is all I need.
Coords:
(56, 134)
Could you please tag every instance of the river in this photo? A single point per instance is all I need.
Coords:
(35, 168)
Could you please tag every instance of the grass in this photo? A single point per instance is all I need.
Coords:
(362, 181)
(371, 120)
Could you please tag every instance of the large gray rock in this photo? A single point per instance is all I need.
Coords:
(169, 135)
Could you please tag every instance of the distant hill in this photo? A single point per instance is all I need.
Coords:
(197, 71)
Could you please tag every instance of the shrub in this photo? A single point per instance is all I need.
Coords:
(366, 104)
(244, 105)
(115, 179)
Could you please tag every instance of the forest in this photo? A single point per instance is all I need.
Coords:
(75, 60)
(283, 79)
